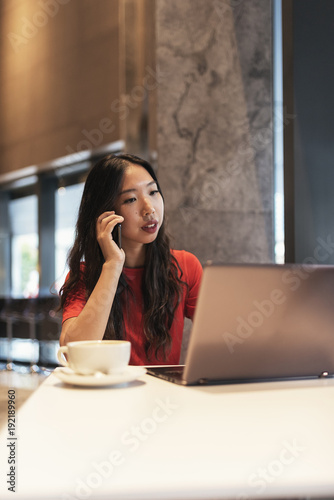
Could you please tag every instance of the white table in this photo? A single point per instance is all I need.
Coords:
(155, 440)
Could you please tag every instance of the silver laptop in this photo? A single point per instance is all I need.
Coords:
(259, 322)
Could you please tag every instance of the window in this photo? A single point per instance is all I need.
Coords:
(24, 246)
(38, 214)
(67, 205)
(278, 121)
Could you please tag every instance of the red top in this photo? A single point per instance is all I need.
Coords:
(192, 273)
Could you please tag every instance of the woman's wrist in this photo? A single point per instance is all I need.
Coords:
(114, 267)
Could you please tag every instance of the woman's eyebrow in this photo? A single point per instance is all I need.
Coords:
(134, 189)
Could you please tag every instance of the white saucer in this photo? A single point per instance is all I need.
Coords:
(70, 377)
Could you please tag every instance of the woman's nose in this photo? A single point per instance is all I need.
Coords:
(148, 207)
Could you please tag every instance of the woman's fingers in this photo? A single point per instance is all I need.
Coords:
(104, 215)
(107, 221)
(105, 224)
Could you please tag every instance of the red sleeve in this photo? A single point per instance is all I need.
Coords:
(75, 302)
(192, 275)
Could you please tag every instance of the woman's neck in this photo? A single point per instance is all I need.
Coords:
(135, 256)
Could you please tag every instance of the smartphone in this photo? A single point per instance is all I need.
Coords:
(117, 235)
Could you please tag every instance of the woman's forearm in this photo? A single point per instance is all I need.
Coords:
(92, 320)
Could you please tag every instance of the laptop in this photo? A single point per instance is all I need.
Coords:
(259, 322)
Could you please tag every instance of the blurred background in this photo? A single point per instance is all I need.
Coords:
(230, 100)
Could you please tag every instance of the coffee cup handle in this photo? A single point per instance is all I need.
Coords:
(60, 355)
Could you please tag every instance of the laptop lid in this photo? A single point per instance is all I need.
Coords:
(256, 322)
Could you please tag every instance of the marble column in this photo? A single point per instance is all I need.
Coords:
(214, 135)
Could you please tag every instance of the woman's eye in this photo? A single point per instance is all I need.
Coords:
(130, 200)
(155, 191)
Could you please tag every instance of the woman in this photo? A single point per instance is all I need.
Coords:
(141, 292)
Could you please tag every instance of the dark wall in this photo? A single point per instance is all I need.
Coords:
(313, 55)
(60, 70)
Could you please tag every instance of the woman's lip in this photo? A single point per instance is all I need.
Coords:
(150, 227)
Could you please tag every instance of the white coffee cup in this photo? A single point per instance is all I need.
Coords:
(88, 357)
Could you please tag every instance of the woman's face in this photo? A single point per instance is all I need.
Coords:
(141, 205)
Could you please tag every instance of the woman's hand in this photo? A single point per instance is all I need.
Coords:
(91, 322)
(105, 224)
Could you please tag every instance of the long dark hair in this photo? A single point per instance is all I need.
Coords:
(162, 279)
